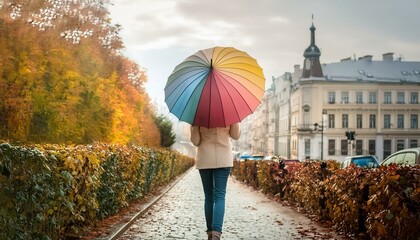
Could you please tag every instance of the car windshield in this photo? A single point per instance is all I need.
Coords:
(364, 162)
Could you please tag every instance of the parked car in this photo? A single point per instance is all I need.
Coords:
(406, 157)
(253, 157)
(365, 161)
(257, 157)
(245, 157)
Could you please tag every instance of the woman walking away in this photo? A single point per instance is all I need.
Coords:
(214, 162)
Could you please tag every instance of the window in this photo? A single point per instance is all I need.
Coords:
(372, 121)
(331, 121)
(331, 147)
(402, 159)
(410, 159)
(400, 98)
(359, 147)
(414, 121)
(307, 148)
(372, 97)
(387, 121)
(344, 147)
(400, 144)
(387, 148)
(400, 119)
(359, 97)
(372, 147)
(344, 97)
(414, 98)
(413, 143)
(359, 121)
(387, 97)
(331, 97)
(345, 121)
(399, 159)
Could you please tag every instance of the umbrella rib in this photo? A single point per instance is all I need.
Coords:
(223, 54)
(220, 97)
(194, 67)
(181, 95)
(237, 113)
(217, 57)
(226, 55)
(182, 113)
(224, 70)
(243, 69)
(208, 120)
(179, 84)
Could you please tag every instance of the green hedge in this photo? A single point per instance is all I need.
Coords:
(382, 203)
(55, 192)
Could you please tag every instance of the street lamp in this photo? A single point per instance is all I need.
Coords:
(324, 113)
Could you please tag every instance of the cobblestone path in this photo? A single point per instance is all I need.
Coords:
(249, 215)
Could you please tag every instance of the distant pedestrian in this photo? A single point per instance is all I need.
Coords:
(214, 162)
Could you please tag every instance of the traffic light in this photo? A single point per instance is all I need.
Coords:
(350, 135)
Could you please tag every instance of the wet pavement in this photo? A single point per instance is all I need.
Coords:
(179, 214)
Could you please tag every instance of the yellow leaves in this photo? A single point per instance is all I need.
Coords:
(79, 198)
(25, 70)
(50, 211)
(81, 160)
(70, 163)
(94, 160)
(79, 188)
(42, 67)
(71, 75)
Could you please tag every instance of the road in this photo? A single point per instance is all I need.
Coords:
(249, 214)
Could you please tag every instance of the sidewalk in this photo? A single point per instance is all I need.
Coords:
(249, 215)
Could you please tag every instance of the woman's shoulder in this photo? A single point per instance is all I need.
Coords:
(214, 130)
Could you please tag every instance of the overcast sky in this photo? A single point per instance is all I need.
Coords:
(159, 34)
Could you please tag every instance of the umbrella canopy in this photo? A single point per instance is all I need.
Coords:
(215, 87)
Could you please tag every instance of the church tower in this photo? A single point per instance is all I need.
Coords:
(311, 64)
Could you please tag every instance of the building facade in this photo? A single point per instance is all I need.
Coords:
(305, 114)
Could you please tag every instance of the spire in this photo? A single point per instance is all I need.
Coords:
(312, 32)
(312, 51)
(311, 65)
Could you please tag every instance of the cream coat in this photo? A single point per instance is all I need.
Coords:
(214, 147)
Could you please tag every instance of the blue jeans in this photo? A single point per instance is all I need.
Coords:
(214, 186)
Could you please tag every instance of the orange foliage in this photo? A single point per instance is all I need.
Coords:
(61, 88)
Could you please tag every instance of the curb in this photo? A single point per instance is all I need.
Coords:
(120, 230)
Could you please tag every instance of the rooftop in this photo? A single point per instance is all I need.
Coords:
(366, 69)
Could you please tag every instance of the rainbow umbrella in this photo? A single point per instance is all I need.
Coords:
(215, 87)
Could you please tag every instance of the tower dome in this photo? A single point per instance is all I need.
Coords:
(312, 65)
(312, 51)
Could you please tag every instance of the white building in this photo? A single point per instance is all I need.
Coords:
(378, 99)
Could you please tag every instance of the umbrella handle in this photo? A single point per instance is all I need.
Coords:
(211, 63)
